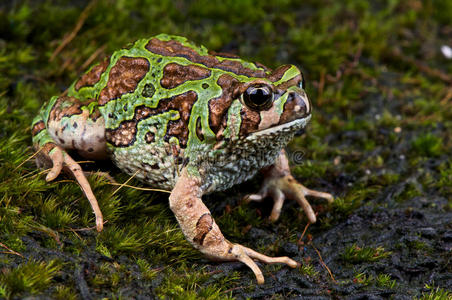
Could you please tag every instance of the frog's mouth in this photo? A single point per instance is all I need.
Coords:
(284, 129)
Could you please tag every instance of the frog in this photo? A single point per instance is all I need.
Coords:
(182, 118)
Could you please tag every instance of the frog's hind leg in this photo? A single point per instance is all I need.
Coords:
(53, 118)
(279, 184)
(203, 233)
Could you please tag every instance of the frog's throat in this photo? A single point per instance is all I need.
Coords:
(289, 127)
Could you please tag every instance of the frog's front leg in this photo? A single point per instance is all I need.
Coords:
(203, 233)
(66, 123)
(279, 184)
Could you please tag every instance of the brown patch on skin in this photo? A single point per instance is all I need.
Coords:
(176, 49)
(290, 112)
(95, 115)
(218, 107)
(122, 136)
(149, 137)
(189, 204)
(174, 150)
(43, 154)
(123, 78)
(48, 147)
(223, 54)
(292, 82)
(179, 128)
(175, 74)
(66, 107)
(37, 128)
(199, 133)
(277, 74)
(203, 226)
(93, 76)
(250, 121)
(259, 65)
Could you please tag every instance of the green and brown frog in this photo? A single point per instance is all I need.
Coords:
(182, 118)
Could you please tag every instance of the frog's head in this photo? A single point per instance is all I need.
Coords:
(275, 104)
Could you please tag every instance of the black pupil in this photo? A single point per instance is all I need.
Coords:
(259, 96)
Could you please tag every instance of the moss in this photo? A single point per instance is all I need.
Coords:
(409, 191)
(343, 206)
(356, 254)
(32, 277)
(309, 270)
(63, 292)
(146, 269)
(55, 217)
(427, 145)
(381, 280)
(184, 284)
(419, 245)
(363, 279)
(385, 281)
(435, 294)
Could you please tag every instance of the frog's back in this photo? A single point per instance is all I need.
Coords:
(164, 101)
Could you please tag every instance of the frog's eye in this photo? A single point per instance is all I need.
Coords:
(258, 97)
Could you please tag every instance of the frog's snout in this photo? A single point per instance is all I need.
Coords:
(297, 106)
(301, 103)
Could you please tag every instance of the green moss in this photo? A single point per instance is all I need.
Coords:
(445, 180)
(436, 294)
(356, 254)
(63, 292)
(385, 281)
(419, 245)
(381, 280)
(410, 190)
(108, 277)
(146, 269)
(235, 223)
(32, 277)
(308, 270)
(363, 279)
(427, 145)
(187, 284)
(343, 206)
(55, 217)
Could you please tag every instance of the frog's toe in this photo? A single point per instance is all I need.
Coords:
(295, 190)
(253, 197)
(56, 156)
(75, 169)
(246, 256)
(60, 159)
(327, 196)
(269, 190)
(286, 187)
(278, 201)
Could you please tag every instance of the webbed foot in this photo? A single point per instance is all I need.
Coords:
(287, 187)
(279, 184)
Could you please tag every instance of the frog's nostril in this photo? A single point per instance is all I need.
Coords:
(300, 104)
(297, 106)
